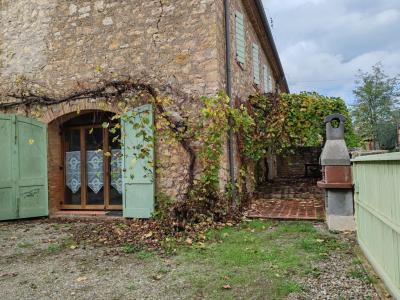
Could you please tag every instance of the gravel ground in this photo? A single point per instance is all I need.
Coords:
(334, 281)
(31, 267)
(39, 260)
(340, 276)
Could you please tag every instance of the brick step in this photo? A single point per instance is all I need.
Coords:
(289, 196)
(291, 191)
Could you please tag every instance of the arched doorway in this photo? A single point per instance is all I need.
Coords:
(88, 172)
(91, 162)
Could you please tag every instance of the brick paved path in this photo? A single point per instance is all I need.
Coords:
(289, 199)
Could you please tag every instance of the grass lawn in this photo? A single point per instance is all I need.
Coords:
(261, 260)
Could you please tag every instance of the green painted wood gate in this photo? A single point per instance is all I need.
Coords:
(377, 202)
(23, 169)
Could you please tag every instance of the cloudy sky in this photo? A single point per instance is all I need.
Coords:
(322, 43)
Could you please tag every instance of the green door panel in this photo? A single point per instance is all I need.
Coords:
(8, 203)
(32, 168)
(23, 173)
(138, 158)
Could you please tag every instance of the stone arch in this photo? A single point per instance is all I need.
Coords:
(58, 111)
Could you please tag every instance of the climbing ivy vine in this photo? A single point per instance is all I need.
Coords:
(264, 124)
(272, 124)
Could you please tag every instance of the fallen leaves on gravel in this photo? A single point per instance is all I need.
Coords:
(150, 234)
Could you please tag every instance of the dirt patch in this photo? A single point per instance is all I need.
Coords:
(40, 261)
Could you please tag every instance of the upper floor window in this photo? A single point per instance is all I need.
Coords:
(256, 64)
(240, 38)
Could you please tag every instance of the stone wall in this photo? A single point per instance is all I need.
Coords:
(293, 165)
(67, 46)
(60, 43)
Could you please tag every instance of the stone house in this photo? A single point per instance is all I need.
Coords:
(50, 160)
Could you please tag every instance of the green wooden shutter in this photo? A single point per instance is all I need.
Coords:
(8, 203)
(23, 175)
(138, 170)
(267, 79)
(256, 64)
(270, 80)
(32, 195)
(240, 38)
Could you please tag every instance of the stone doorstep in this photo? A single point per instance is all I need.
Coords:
(81, 214)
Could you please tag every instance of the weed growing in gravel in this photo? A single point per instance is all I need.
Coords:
(358, 272)
(164, 270)
(56, 226)
(65, 243)
(144, 254)
(25, 245)
(132, 287)
(139, 252)
(53, 248)
(130, 248)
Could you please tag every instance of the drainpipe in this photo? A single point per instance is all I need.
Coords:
(231, 102)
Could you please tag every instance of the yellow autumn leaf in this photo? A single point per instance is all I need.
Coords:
(133, 162)
(148, 235)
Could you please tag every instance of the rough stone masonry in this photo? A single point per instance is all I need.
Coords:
(63, 44)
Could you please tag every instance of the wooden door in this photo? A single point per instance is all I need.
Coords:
(92, 180)
(23, 175)
(8, 199)
(32, 181)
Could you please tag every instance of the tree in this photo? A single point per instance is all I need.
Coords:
(376, 108)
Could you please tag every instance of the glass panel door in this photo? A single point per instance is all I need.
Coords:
(94, 166)
(115, 167)
(72, 167)
(93, 178)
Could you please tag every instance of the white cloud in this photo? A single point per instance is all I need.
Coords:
(387, 17)
(309, 68)
(323, 44)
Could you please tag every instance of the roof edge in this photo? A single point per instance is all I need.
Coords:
(267, 28)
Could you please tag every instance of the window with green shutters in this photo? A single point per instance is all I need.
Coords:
(240, 38)
(256, 64)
